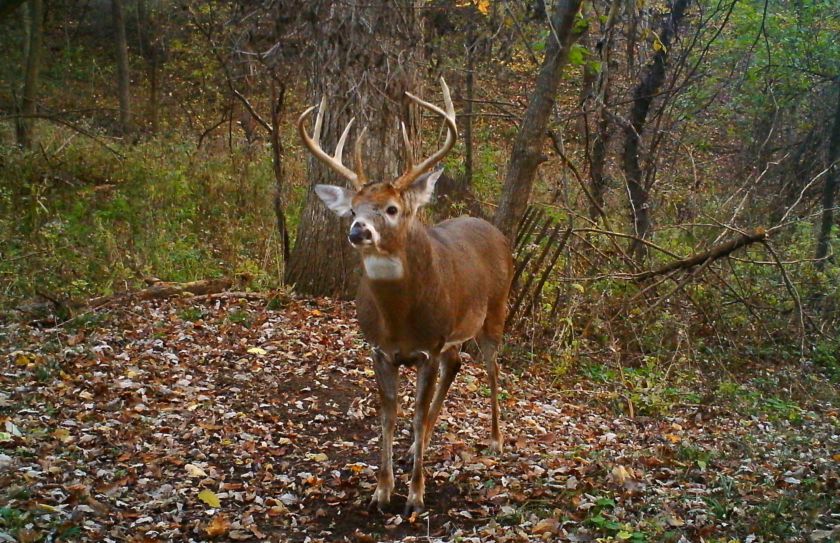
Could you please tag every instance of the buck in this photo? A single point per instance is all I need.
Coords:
(425, 291)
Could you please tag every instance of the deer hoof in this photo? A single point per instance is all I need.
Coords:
(381, 498)
(413, 506)
(497, 445)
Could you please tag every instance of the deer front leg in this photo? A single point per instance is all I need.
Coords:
(450, 363)
(387, 379)
(426, 377)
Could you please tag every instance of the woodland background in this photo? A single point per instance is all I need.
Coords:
(667, 170)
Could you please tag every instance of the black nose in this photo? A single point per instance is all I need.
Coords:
(358, 234)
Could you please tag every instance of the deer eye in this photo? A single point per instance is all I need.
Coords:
(392, 210)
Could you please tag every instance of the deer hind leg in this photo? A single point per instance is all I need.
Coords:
(387, 379)
(426, 377)
(489, 346)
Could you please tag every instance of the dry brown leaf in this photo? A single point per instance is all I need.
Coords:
(546, 526)
(218, 526)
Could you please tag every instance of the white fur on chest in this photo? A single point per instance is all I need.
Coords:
(383, 268)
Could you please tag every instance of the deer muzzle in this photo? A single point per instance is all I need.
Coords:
(360, 234)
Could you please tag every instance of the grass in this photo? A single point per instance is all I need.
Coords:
(82, 222)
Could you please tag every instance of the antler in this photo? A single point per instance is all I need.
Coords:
(358, 177)
(413, 171)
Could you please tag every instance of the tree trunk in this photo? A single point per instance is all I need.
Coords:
(28, 107)
(467, 182)
(599, 156)
(527, 148)
(278, 98)
(601, 90)
(149, 51)
(118, 12)
(830, 189)
(653, 76)
(7, 7)
(365, 58)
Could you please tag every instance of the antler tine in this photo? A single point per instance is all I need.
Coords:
(409, 154)
(412, 171)
(319, 120)
(357, 156)
(339, 149)
(313, 144)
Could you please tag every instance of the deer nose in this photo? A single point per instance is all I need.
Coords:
(359, 233)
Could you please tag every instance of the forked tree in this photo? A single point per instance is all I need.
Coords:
(424, 291)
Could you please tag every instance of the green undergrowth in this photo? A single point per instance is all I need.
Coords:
(81, 221)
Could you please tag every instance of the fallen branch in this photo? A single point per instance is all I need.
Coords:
(718, 251)
(166, 289)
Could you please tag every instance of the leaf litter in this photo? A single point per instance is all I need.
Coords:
(253, 424)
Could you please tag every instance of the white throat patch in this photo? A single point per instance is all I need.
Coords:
(382, 268)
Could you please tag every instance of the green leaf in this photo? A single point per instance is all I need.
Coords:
(577, 55)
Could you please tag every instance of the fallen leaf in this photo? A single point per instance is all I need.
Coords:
(219, 525)
(673, 438)
(620, 475)
(257, 350)
(546, 526)
(209, 497)
(318, 457)
(194, 471)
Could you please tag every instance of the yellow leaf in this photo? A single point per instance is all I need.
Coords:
(62, 435)
(257, 350)
(673, 438)
(219, 525)
(209, 497)
(620, 474)
(319, 457)
(836, 457)
(483, 6)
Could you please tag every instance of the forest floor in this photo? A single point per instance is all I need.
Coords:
(189, 421)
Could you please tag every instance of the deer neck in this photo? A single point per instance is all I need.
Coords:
(404, 271)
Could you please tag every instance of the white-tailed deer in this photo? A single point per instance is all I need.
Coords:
(425, 290)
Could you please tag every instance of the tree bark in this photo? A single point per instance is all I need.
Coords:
(278, 98)
(118, 13)
(598, 165)
(603, 134)
(527, 148)
(830, 188)
(24, 127)
(472, 41)
(365, 57)
(150, 50)
(653, 76)
(7, 7)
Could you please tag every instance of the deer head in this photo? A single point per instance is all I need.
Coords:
(381, 211)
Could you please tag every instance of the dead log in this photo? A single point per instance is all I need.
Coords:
(168, 289)
(718, 251)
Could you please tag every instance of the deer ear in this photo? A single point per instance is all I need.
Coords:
(420, 192)
(337, 199)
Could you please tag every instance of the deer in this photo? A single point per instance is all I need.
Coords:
(424, 291)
